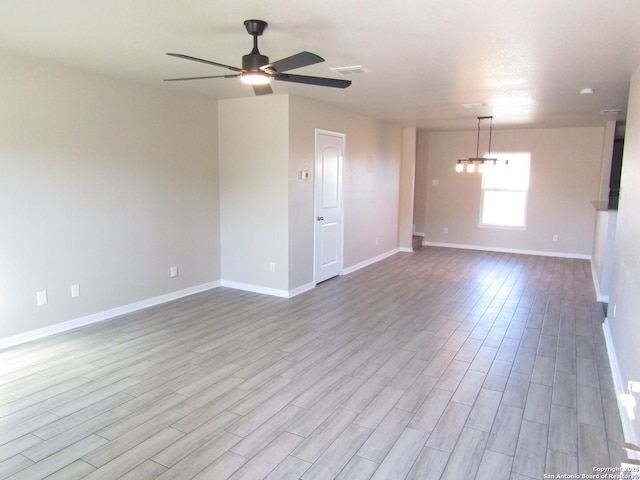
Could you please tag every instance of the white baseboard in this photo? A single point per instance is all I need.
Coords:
(301, 289)
(508, 250)
(150, 302)
(596, 283)
(102, 316)
(371, 261)
(405, 250)
(247, 287)
(275, 292)
(618, 384)
(309, 286)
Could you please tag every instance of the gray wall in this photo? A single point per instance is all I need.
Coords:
(104, 183)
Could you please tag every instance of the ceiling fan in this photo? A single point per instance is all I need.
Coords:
(258, 72)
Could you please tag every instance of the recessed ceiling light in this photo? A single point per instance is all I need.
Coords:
(474, 105)
(611, 111)
(586, 91)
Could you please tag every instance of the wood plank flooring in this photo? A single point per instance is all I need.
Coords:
(438, 364)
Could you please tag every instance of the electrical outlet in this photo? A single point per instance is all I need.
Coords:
(41, 298)
(75, 291)
(173, 271)
(272, 267)
(446, 230)
(555, 238)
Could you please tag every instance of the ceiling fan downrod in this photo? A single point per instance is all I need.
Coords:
(254, 60)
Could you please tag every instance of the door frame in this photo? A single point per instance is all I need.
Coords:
(343, 136)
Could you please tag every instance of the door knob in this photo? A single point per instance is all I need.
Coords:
(320, 219)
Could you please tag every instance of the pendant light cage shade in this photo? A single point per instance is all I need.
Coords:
(477, 163)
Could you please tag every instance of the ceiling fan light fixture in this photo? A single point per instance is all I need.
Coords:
(258, 71)
(255, 78)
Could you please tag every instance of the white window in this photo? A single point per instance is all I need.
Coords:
(504, 192)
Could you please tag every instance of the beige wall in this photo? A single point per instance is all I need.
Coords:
(267, 209)
(112, 182)
(407, 189)
(371, 182)
(565, 173)
(254, 158)
(624, 305)
(607, 158)
(421, 187)
(105, 184)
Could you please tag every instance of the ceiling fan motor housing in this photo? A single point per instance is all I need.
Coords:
(252, 62)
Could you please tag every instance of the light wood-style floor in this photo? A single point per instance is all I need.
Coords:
(440, 364)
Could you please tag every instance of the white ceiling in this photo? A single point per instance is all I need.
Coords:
(526, 59)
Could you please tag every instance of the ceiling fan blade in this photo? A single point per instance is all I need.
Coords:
(262, 89)
(209, 62)
(200, 78)
(321, 81)
(298, 60)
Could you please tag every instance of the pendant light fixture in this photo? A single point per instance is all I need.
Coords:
(477, 163)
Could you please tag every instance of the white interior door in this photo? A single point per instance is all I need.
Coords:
(328, 202)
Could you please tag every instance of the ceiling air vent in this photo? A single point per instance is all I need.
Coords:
(353, 70)
(611, 111)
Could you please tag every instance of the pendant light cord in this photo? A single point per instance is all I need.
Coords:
(478, 140)
(490, 129)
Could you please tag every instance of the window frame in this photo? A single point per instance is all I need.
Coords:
(512, 157)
